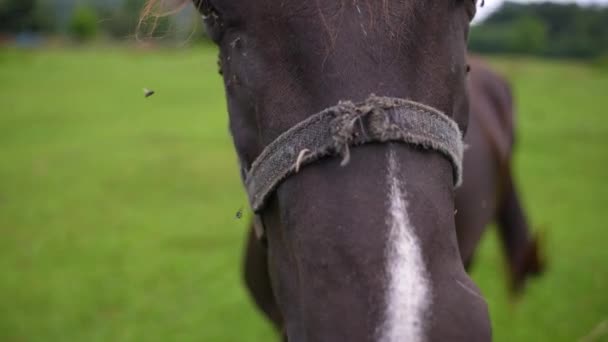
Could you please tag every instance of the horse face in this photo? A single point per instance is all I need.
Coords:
(367, 251)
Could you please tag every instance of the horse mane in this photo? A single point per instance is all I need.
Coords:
(153, 10)
(160, 8)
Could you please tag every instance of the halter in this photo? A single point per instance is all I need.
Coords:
(336, 129)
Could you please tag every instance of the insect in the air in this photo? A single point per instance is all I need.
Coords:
(239, 214)
(148, 92)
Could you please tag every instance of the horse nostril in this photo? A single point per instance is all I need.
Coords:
(468, 68)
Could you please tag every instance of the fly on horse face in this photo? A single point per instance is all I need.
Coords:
(347, 117)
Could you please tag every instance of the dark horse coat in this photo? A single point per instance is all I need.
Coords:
(488, 193)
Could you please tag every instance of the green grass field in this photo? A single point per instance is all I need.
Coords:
(117, 213)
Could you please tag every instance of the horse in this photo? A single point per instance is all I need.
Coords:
(353, 192)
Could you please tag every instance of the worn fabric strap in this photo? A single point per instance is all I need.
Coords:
(334, 130)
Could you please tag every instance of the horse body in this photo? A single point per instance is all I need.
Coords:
(489, 141)
(488, 192)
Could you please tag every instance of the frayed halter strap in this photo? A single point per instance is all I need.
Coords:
(334, 130)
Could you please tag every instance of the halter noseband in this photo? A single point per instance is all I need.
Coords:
(334, 130)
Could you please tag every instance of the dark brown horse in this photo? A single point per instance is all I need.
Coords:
(362, 247)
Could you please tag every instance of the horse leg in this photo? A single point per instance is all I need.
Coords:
(257, 280)
(522, 250)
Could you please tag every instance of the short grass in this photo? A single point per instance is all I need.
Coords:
(117, 213)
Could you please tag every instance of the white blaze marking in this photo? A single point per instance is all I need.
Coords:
(408, 292)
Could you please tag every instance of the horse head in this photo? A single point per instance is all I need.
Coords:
(361, 239)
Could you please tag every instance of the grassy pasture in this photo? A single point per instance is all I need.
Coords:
(117, 213)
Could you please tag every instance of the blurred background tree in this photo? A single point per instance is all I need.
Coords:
(83, 26)
(15, 14)
(85, 19)
(25, 15)
(120, 19)
(543, 29)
